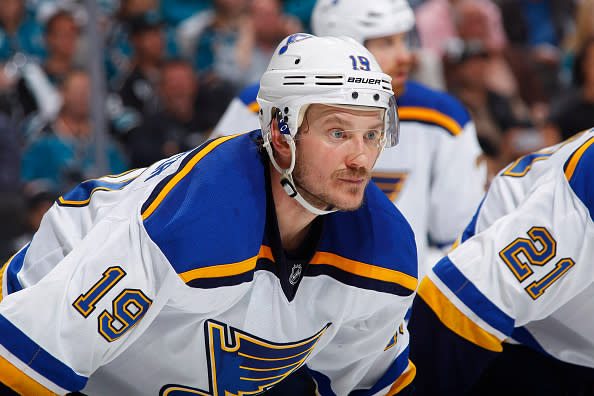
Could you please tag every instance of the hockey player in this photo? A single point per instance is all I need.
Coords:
(522, 275)
(222, 270)
(434, 175)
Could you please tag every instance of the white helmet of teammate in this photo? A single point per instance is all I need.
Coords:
(306, 69)
(361, 20)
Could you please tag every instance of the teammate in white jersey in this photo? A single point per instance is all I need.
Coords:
(522, 274)
(434, 175)
(222, 270)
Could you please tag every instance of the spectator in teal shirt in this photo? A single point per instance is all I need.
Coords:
(19, 33)
(63, 153)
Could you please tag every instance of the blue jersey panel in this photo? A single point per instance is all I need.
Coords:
(203, 218)
(579, 170)
(383, 238)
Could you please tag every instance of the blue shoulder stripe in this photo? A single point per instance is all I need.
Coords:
(468, 293)
(579, 169)
(81, 194)
(14, 265)
(249, 94)
(38, 359)
(422, 104)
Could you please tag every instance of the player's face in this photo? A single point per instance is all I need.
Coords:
(394, 57)
(336, 150)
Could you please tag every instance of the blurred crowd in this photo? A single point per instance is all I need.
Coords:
(523, 68)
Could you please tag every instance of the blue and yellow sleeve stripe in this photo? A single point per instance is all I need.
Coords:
(453, 318)
(365, 270)
(38, 360)
(227, 270)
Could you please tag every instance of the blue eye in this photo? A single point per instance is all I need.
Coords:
(372, 135)
(337, 134)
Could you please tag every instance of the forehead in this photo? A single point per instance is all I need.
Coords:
(396, 37)
(324, 114)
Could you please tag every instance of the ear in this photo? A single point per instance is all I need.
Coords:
(281, 147)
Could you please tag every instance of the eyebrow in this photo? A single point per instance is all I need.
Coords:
(341, 122)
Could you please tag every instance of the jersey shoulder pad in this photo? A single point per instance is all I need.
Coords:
(199, 215)
(579, 171)
(248, 97)
(375, 242)
(426, 105)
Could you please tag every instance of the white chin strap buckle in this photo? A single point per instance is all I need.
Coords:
(288, 187)
(291, 190)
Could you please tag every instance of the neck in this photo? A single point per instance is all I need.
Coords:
(294, 221)
(58, 66)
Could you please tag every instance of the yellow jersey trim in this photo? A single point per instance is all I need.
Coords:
(100, 188)
(16, 380)
(181, 174)
(3, 269)
(455, 320)
(254, 107)
(429, 115)
(404, 380)
(223, 270)
(575, 158)
(365, 270)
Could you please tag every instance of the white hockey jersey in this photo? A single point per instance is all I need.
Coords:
(434, 175)
(524, 272)
(163, 281)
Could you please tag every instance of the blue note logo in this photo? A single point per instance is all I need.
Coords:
(247, 365)
(164, 165)
(293, 39)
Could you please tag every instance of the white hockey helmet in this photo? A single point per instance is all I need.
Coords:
(306, 69)
(361, 20)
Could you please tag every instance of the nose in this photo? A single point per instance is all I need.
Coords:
(359, 153)
(403, 53)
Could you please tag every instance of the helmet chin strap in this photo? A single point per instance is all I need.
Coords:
(287, 178)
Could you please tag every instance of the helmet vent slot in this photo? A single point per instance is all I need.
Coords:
(328, 80)
(293, 78)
